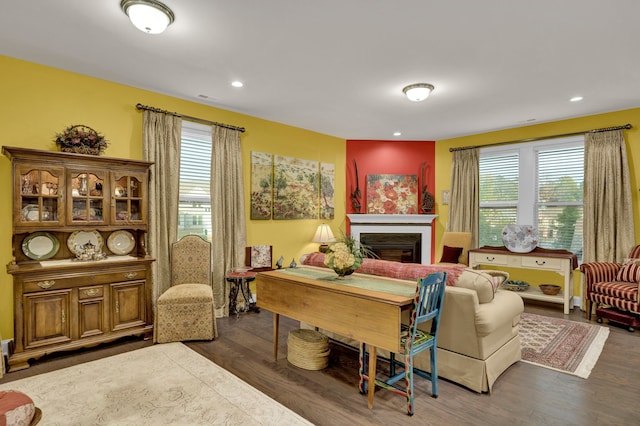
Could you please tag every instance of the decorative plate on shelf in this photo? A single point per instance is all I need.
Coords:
(121, 242)
(40, 245)
(80, 238)
(520, 238)
(30, 213)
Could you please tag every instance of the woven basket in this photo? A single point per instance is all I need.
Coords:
(308, 349)
(81, 149)
(92, 142)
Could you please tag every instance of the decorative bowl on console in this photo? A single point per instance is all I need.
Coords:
(550, 289)
(520, 238)
(515, 285)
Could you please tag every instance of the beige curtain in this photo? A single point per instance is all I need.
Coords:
(609, 232)
(465, 197)
(161, 145)
(227, 211)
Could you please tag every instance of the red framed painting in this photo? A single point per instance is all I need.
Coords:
(392, 194)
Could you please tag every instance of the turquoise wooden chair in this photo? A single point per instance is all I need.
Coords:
(427, 305)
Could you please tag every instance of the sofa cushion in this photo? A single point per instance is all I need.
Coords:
(392, 269)
(630, 272)
(480, 281)
(450, 254)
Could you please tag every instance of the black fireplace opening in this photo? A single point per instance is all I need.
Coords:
(399, 247)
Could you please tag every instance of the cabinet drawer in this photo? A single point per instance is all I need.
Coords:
(90, 292)
(489, 259)
(54, 282)
(541, 262)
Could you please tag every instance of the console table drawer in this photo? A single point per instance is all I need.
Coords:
(541, 263)
(489, 259)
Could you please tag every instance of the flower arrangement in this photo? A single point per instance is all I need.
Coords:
(346, 255)
(81, 139)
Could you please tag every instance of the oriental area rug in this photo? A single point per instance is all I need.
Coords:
(567, 346)
(166, 384)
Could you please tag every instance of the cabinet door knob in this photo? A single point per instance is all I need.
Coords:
(491, 259)
(130, 275)
(46, 284)
(540, 262)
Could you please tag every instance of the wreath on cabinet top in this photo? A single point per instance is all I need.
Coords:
(81, 139)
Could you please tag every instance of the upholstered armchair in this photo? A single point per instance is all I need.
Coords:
(455, 247)
(613, 288)
(185, 311)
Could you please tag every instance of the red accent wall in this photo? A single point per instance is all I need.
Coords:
(388, 157)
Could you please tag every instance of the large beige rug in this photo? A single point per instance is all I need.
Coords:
(568, 346)
(167, 384)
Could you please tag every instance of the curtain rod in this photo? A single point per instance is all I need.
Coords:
(188, 117)
(604, 129)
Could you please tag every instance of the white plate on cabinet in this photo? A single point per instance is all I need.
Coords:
(40, 245)
(121, 242)
(520, 238)
(80, 238)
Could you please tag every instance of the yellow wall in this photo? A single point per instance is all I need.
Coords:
(443, 171)
(39, 101)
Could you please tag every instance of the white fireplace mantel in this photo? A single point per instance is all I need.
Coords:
(395, 224)
(392, 219)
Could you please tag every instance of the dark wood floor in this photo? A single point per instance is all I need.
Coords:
(523, 395)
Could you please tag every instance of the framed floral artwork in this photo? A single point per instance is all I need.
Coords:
(392, 194)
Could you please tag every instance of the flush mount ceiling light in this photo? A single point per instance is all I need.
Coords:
(418, 92)
(149, 16)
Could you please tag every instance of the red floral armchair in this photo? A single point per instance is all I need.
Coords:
(614, 285)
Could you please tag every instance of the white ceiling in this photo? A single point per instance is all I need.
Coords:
(338, 66)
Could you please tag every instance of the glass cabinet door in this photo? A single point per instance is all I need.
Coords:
(87, 197)
(129, 197)
(39, 196)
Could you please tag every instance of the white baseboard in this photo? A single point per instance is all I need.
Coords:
(577, 302)
(5, 346)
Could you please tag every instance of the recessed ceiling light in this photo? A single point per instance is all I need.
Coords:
(237, 84)
(397, 134)
(576, 99)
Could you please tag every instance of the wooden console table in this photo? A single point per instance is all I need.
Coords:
(560, 261)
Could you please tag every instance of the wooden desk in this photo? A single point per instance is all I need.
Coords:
(559, 261)
(362, 307)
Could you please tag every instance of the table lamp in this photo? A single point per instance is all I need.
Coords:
(323, 236)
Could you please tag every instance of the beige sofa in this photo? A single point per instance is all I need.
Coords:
(478, 337)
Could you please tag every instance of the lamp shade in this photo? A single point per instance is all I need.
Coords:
(323, 235)
(149, 16)
(418, 92)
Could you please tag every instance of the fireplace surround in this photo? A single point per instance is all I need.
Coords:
(396, 224)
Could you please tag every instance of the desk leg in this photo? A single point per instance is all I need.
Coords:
(373, 359)
(276, 324)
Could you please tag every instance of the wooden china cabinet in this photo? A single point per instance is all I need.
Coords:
(81, 274)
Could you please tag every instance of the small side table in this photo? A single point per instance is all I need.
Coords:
(240, 282)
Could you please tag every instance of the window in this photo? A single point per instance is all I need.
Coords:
(539, 183)
(194, 209)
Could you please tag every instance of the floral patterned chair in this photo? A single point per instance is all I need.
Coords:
(186, 310)
(613, 288)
